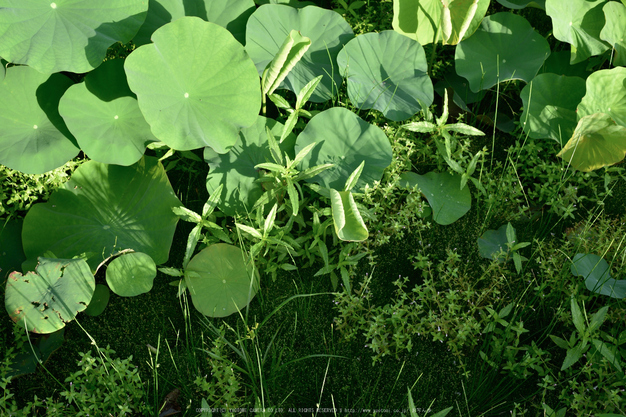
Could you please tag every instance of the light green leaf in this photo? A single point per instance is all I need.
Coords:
(559, 342)
(66, 35)
(249, 230)
(220, 280)
(614, 30)
(306, 92)
(606, 93)
(195, 85)
(577, 316)
(269, 220)
(345, 140)
(504, 47)
(290, 52)
(187, 215)
(572, 356)
(33, 137)
(463, 129)
(377, 80)
(597, 142)
(44, 300)
(270, 24)
(131, 274)
(354, 177)
(597, 319)
(448, 202)
(550, 103)
(348, 222)
(578, 22)
(420, 127)
(604, 350)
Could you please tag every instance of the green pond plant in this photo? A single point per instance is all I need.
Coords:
(274, 96)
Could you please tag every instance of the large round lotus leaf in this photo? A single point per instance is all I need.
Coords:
(236, 170)
(442, 190)
(550, 102)
(520, 4)
(196, 86)
(105, 208)
(108, 131)
(606, 93)
(66, 35)
(270, 24)
(33, 136)
(346, 140)
(505, 47)
(44, 300)
(230, 14)
(614, 31)
(378, 80)
(99, 301)
(597, 275)
(421, 20)
(220, 280)
(131, 274)
(578, 22)
(597, 142)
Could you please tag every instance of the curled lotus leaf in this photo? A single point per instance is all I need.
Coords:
(597, 142)
(606, 93)
(45, 300)
(614, 31)
(578, 22)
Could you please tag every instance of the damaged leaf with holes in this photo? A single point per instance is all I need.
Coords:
(45, 300)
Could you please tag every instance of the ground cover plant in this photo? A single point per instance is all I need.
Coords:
(351, 207)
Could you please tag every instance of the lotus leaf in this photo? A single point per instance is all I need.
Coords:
(66, 35)
(378, 80)
(520, 4)
(442, 190)
(44, 300)
(597, 275)
(346, 140)
(103, 115)
(597, 142)
(550, 103)
(606, 93)
(11, 253)
(220, 280)
(33, 136)
(104, 208)
(347, 219)
(423, 20)
(505, 47)
(3, 69)
(99, 301)
(578, 22)
(236, 170)
(614, 31)
(492, 242)
(230, 14)
(131, 274)
(270, 24)
(195, 85)
(558, 63)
